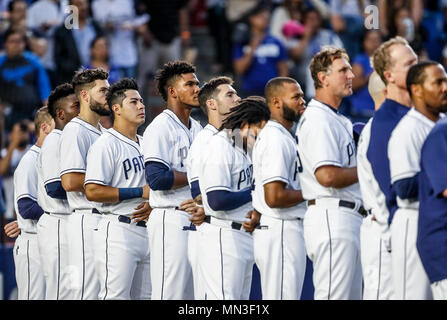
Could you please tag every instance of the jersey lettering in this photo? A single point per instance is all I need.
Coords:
(351, 152)
(245, 176)
(137, 165)
(183, 154)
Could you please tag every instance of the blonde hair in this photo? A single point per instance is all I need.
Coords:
(322, 62)
(42, 116)
(381, 60)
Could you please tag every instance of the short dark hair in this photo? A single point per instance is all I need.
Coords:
(250, 110)
(210, 90)
(169, 72)
(85, 78)
(60, 92)
(117, 93)
(12, 3)
(416, 74)
(11, 31)
(273, 84)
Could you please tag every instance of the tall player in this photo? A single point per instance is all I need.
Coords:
(216, 97)
(225, 180)
(51, 229)
(427, 86)
(115, 177)
(29, 276)
(375, 245)
(166, 142)
(279, 249)
(329, 181)
(79, 134)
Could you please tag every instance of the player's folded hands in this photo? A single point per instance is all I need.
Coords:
(142, 212)
(254, 217)
(12, 229)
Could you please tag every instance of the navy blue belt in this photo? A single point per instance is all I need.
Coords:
(234, 225)
(127, 220)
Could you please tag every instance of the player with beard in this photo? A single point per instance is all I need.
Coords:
(279, 248)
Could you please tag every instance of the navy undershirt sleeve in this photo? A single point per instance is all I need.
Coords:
(195, 189)
(55, 190)
(407, 188)
(29, 209)
(159, 176)
(226, 200)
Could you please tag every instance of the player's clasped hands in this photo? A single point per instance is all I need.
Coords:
(197, 213)
(142, 212)
(251, 224)
(12, 229)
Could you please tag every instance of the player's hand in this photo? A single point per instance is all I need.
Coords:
(142, 213)
(198, 216)
(188, 206)
(12, 229)
(146, 191)
(254, 217)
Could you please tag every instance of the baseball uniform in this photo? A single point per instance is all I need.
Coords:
(279, 249)
(404, 152)
(76, 139)
(193, 165)
(333, 217)
(227, 256)
(51, 228)
(29, 275)
(122, 255)
(375, 236)
(432, 220)
(166, 141)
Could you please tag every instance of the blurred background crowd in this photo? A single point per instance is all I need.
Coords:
(43, 42)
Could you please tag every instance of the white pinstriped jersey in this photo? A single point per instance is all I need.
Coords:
(198, 147)
(167, 140)
(75, 141)
(48, 172)
(25, 186)
(404, 149)
(117, 161)
(275, 158)
(228, 168)
(325, 138)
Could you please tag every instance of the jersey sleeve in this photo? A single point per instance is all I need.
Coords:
(275, 160)
(73, 151)
(100, 165)
(403, 154)
(157, 144)
(434, 153)
(216, 167)
(25, 180)
(320, 143)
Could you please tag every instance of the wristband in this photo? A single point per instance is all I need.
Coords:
(129, 193)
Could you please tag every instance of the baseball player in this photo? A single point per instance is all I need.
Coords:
(216, 97)
(391, 61)
(329, 181)
(225, 181)
(375, 246)
(29, 276)
(433, 198)
(51, 228)
(90, 87)
(166, 142)
(427, 86)
(279, 249)
(115, 177)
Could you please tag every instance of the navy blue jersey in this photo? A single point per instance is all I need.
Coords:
(383, 124)
(432, 224)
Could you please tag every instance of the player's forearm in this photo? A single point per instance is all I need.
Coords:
(284, 198)
(180, 180)
(336, 177)
(73, 182)
(100, 193)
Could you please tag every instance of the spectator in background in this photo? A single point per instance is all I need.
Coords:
(260, 57)
(43, 16)
(303, 46)
(361, 103)
(388, 10)
(99, 58)
(347, 20)
(15, 18)
(72, 46)
(24, 83)
(120, 22)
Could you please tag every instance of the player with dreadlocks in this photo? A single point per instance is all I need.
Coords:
(225, 180)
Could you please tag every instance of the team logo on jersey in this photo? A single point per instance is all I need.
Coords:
(136, 164)
(245, 178)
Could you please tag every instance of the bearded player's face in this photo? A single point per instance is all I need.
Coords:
(98, 101)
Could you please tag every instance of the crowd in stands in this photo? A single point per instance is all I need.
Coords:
(43, 42)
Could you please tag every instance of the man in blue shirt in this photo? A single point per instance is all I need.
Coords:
(264, 57)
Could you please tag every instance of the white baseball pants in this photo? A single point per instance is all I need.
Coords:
(409, 278)
(280, 255)
(194, 239)
(439, 289)
(171, 273)
(122, 260)
(226, 259)
(332, 237)
(81, 252)
(375, 254)
(28, 270)
(53, 248)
